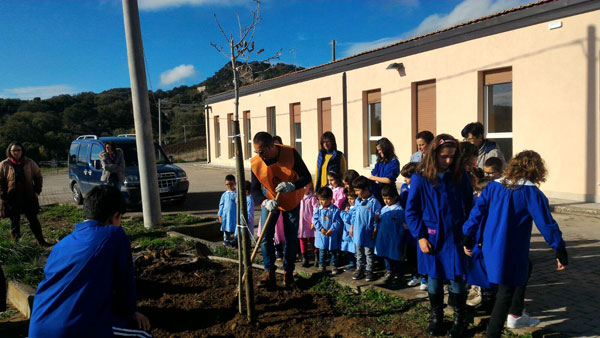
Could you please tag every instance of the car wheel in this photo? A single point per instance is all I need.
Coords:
(77, 196)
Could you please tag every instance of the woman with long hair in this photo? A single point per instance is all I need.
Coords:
(330, 159)
(439, 200)
(387, 168)
(20, 185)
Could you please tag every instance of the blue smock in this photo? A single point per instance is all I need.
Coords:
(390, 232)
(437, 213)
(89, 285)
(327, 219)
(505, 216)
(389, 170)
(228, 211)
(347, 242)
(363, 221)
(250, 206)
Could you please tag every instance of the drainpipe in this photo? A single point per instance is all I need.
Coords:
(345, 114)
(207, 125)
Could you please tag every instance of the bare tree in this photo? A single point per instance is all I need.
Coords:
(239, 50)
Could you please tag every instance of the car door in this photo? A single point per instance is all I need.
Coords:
(83, 167)
(95, 171)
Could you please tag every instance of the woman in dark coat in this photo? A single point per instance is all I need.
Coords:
(330, 159)
(20, 185)
(387, 168)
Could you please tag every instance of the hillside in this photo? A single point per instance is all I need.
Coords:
(47, 127)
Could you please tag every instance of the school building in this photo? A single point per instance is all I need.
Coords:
(529, 74)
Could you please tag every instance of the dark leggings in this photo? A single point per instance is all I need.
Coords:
(509, 299)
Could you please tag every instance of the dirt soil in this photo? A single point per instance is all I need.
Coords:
(198, 299)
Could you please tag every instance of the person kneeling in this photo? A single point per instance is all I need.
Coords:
(89, 285)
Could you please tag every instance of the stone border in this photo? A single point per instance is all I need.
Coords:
(21, 296)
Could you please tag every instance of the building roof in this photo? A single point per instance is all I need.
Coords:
(510, 19)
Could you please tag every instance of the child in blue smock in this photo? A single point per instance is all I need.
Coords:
(348, 245)
(439, 201)
(409, 241)
(505, 211)
(250, 206)
(387, 167)
(390, 231)
(362, 230)
(328, 226)
(228, 212)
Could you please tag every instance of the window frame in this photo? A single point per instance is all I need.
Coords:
(217, 126)
(296, 141)
(272, 120)
(490, 79)
(370, 99)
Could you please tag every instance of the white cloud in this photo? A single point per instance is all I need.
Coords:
(177, 74)
(44, 92)
(153, 5)
(463, 12)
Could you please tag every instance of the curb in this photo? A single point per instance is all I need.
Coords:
(574, 210)
(21, 296)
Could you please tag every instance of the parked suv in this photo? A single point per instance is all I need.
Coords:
(85, 170)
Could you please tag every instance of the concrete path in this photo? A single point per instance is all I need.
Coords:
(567, 302)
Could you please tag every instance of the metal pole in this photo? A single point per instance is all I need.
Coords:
(141, 114)
(332, 50)
(159, 125)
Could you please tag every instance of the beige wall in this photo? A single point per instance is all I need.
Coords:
(555, 100)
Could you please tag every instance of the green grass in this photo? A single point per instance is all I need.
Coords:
(62, 212)
(370, 302)
(164, 243)
(21, 261)
(222, 251)
(180, 219)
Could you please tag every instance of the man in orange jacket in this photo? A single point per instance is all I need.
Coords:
(278, 168)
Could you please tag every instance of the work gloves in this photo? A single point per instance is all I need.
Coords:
(270, 205)
(285, 187)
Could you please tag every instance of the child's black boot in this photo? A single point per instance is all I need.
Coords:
(459, 302)
(436, 317)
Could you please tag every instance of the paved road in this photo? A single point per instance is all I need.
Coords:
(566, 301)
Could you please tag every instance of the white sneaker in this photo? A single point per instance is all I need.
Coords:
(523, 321)
(423, 286)
(413, 282)
(474, 297)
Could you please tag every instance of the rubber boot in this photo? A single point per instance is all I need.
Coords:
(436, 317)
(268, 281)
(288, 280)
(316, 258)
(488, 298)
(305, 261)
(459, 302)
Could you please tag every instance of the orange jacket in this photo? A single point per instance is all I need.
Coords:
(281, 171)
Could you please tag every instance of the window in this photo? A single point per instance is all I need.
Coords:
(497, 108)
(296, 127)
(95, 156)
(423, 108)
(217, 138)
(324, 115)
(271, 121)
(372, 123)
(248, 133)
(83, 152)
(230, 141)
(73, 153)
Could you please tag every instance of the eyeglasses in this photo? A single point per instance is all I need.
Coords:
(489, 173)
(16, 151)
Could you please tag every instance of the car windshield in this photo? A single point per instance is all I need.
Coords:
(130, 154)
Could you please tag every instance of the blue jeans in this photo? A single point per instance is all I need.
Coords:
(364, 254)
(351, 259)
(436, 286)
(323, 253)
(114, 180)
(392, 265)
(290, 229)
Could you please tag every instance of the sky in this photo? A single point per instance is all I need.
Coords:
(55, 47)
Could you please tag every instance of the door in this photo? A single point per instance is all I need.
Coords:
(83, 170)
(94, 173)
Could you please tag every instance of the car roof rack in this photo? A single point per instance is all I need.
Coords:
(87, 137)
(126, 135)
